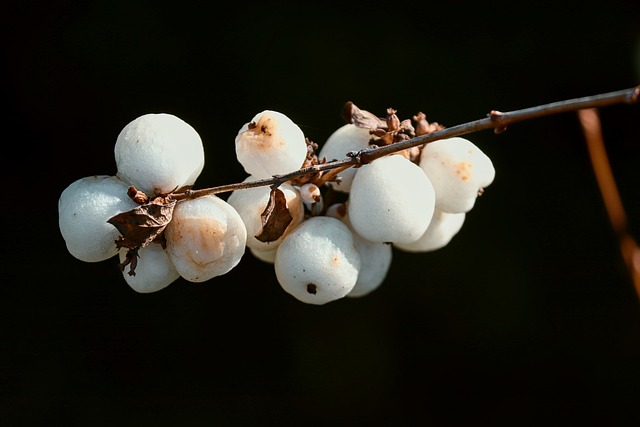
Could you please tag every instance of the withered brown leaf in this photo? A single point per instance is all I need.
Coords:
(275, 217)
(143, 224)
(362, 118)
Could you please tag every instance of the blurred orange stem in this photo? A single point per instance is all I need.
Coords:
(592, 129)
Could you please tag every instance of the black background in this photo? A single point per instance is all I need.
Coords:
(525, 318)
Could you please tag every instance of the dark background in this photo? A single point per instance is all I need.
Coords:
(527, 317)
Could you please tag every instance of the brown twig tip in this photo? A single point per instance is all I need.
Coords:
(633, 96)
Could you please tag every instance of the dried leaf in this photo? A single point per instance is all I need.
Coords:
(275, 218)
(142, 225)
(362, 118)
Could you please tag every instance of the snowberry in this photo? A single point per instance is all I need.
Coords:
(154, 270)
(158, 153)
(268, 255)
(83, 210)
(270, 144)
(318, 261)
(375, 257)
(391, 200)
(458, 170)
(205, 238)
(346, 138)
(251, 202)
(441, 230)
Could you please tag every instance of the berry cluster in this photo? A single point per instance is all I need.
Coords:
(156, 154)
(329, 234)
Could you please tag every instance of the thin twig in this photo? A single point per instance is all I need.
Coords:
(592, 130)
(495, 120)
(274, 181)
(499, 121)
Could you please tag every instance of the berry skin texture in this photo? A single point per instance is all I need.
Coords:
(458, 170)
(391, 200)
(205, 238)
(375, 257)
(443, 227)
(318, 262)
(154, 270)
(268, 256)
(83, 210)
(270, 144)
(159, 153)
(346, 138)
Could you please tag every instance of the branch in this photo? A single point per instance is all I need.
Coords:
(592, 130)
(275, 181)
(495, 120)
(498, 121)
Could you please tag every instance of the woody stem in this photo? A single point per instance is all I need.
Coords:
(495, 120)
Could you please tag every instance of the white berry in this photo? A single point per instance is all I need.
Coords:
(346, 138)
(154, 270)
(251, 202)
(458, 170)
(270, 144)
(158, 153)
(83, 210)
(268, 256)
(205, 238)
(375, 257)
(391, 200)
(443, 227)
(318, 262)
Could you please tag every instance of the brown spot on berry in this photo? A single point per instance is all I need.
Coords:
(463, 169)
(312, 289)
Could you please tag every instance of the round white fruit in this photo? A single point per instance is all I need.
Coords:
(83, 210)
(458, 170)
(375, 257)
(391, 200)
(270, 144)
(346, 138)
(318, 261)
(443, 227)
(205, 238)
(268, 256)
(251, 202)
(158, 153)
(154, 270)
